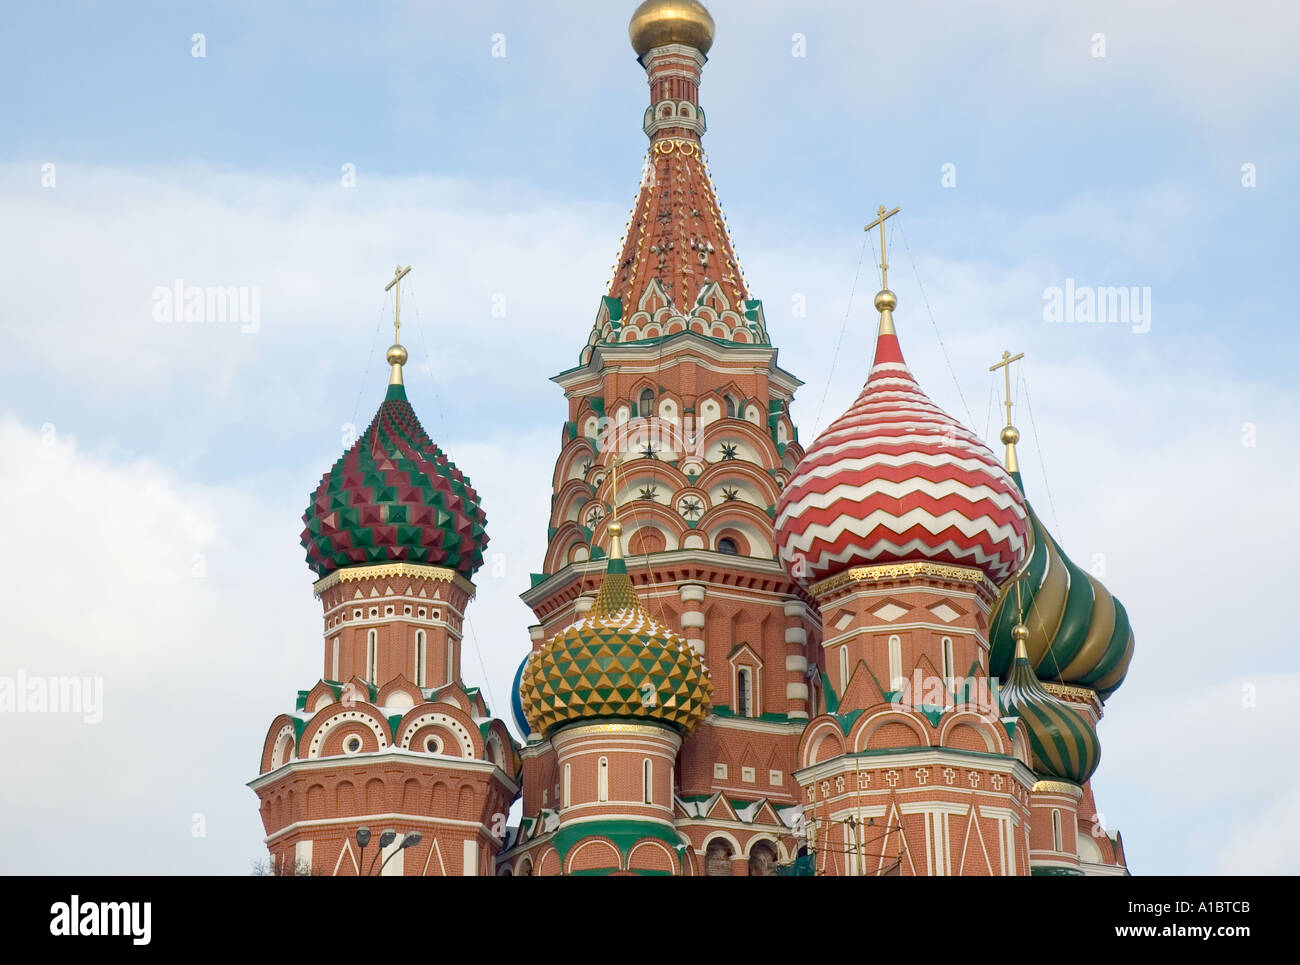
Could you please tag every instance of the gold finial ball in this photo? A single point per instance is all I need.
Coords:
(616, 529)
(1020, 633)
(886, 301)
(396, 355)
(1010, 436)
(659, 22)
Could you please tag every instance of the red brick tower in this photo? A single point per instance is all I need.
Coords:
(390, 738)
(679, 383)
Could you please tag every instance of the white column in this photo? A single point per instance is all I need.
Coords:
(692, 596)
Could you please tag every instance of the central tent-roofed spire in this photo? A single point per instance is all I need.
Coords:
(677, 238)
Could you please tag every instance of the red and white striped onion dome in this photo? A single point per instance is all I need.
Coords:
(896, 479)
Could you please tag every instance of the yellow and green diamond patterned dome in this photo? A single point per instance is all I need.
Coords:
(618, 661)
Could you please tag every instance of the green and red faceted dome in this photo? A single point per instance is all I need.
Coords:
(394, 496)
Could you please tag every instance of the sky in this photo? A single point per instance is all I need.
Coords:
(154, 473)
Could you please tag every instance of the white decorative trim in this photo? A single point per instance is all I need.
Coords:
(344, 717)
(440, 720)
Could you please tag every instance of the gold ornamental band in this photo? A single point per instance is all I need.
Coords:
(894, 571)
(641, 730)
(680, 145)
(1058, 787)
(1079, 695)
(378, 571)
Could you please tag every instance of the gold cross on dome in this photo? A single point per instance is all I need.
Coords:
(881, 217)
(1005, 366)
(398, 274)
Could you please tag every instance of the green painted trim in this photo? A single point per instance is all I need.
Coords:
(846, 720)
(769, 716)
(624, 833)
(831, 698)
(932, 714)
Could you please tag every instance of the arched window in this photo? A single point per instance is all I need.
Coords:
(744, 692)
(646, 404)
(647, 780)
(451, 661)
(947, 660)
(895, 663)
(372, 654)
(568, 774)
(717, 858)
(602, 780)
(1057, 844)
(844, 668)
(728, 545)
(762, 860)
(421, 654)
(731, 407)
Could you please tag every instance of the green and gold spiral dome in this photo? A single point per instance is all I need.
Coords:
(616, 662)
(1063, 742)
(1078, 633)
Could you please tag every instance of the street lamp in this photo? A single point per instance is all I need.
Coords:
(412, 839)
(363, 839)
(385, 839)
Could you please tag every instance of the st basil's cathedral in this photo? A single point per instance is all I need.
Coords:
(868, 657)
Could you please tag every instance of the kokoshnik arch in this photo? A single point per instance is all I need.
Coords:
(783, 670)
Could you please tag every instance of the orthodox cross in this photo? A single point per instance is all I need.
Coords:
(398, 274)
(881, 217)
(1005, 366)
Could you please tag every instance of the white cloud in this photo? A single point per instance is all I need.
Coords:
(101, 580)
(1195, 773)
(1269, 844)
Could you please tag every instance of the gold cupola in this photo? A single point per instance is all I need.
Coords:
(657, 23)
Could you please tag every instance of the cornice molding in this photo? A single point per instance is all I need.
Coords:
(903, 571)
(379, 571)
